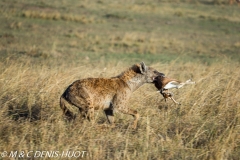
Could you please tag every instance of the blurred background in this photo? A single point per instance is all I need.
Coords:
(153, 30)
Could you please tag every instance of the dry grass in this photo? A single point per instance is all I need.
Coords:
(57, 16)
(205, 126)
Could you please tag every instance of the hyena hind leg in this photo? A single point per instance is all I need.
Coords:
(67, 113)
(74, 109)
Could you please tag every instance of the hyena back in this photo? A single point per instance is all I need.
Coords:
(108, 94)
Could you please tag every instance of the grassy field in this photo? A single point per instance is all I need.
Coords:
(46, 45)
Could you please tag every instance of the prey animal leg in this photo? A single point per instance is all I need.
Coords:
(174, 101)
(166, 94)
(184, 83)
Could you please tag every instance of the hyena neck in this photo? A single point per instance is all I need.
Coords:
(135, 83)
(132, 78)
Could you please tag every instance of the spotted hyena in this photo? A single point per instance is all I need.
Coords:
(108, 94)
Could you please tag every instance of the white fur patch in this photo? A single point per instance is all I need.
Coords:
(174, 84)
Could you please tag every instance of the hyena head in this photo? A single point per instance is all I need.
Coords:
(139, 74)
(150, 74)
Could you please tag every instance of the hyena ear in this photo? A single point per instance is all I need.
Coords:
(143, 68)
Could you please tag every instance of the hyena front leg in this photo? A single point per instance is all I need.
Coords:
(119, 103)
(134, 113)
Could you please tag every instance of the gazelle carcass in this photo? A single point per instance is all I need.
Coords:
(163, 84)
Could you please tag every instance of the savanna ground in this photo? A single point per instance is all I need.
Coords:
(46, 45)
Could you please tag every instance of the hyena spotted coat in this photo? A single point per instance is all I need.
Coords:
(108, 94)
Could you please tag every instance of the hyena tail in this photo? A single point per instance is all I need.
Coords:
(69, 115)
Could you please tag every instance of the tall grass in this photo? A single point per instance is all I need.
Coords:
(205, 126)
